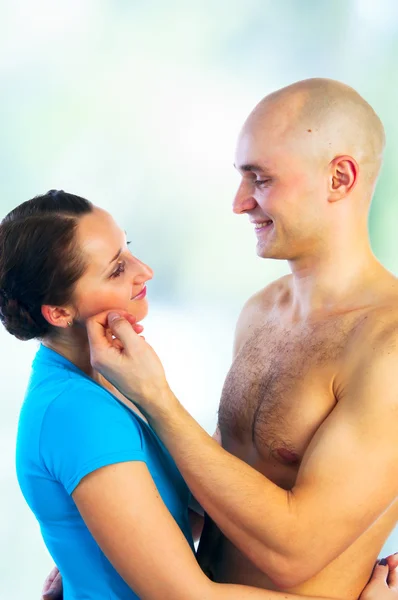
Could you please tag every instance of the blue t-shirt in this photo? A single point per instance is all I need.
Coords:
(70, 426)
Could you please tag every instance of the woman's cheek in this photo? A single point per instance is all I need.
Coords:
(95, 304)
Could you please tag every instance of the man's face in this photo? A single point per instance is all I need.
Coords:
(282, 190)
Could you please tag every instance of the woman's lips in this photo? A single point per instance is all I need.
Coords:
(141, 295)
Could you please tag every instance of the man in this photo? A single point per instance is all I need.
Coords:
(306, 494)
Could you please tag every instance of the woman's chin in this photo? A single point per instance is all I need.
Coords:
(139, 310)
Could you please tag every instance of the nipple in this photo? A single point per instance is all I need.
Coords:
(288, 456)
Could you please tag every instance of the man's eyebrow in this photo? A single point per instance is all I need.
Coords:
(250, 167)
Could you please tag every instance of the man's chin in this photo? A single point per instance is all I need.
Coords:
(265, 252)
(269, 251)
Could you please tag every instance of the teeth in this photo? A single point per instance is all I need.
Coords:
(259, 225)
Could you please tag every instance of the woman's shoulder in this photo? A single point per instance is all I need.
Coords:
(84, 413)
(84, 429)
(79, 394)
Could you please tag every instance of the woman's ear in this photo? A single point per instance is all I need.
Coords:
(57, 316)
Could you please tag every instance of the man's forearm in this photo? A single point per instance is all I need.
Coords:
(231, 492)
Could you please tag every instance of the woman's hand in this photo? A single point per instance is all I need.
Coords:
(128, 361)
(384, 582)
(52, 588)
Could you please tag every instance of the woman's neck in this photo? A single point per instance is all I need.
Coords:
(75, 347)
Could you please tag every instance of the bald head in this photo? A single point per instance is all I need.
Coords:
(325, 119)
(309, 156)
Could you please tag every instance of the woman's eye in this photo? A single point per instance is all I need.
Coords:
(120, 269)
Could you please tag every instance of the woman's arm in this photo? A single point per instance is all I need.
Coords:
(382, 586)
(122, 508)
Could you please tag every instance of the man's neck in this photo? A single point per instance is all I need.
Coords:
(332, 283)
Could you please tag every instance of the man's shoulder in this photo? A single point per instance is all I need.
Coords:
(382, 330)
(259, 306)
(367, 377)
(268, 297)
(380, 323)
(374, 341)
(378, 318)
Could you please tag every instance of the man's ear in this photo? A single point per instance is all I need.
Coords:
(343, 177)
(57, 316)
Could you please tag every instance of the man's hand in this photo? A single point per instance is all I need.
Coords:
(126, 360)
(384, 582)
(52, 588)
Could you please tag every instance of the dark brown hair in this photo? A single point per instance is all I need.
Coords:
(39, 260)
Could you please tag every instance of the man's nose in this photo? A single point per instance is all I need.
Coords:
(243, 201)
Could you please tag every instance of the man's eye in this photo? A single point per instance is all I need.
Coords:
(260, 182)
(120, 269)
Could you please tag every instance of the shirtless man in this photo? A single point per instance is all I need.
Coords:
(304, 488)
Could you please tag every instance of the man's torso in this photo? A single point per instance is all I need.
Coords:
(278, 392)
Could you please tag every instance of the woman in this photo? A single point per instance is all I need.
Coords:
(112, 506)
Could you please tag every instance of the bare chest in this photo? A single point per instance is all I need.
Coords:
(279, 390)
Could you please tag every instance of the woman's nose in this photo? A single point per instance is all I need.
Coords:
(143, 272)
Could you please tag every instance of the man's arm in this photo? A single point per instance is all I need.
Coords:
(348, 478)
(382, 586)
(196, 512)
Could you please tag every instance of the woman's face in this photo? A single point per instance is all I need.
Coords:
(114, 279)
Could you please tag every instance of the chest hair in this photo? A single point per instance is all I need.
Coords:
(268, 377)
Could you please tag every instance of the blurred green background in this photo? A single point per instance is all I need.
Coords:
(137, 105)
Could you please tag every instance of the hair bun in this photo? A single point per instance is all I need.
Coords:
(17, 319)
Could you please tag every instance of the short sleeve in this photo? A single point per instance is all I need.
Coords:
(84, 429)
